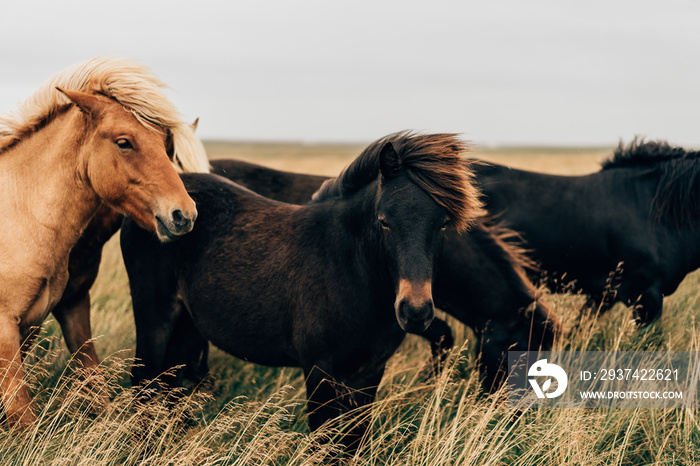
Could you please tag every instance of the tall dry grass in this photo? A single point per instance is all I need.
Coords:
(254, 415)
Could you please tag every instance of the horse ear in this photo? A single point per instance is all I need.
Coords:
(388, 161)
(88, 103)
(194, 124)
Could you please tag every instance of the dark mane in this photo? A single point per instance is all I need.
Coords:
(433, 161)
(676, 201)
(645, 153)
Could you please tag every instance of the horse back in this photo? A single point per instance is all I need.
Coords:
(583, 211)
(295, 188)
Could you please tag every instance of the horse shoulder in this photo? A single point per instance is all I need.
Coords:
(29, 293)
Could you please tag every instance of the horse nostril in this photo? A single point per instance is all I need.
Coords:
(415, 318)
(178, 219)
(425, 312)
(405, 309)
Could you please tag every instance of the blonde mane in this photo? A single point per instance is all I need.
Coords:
(130, 84)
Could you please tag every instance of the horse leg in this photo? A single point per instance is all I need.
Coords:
(329, 397)
(544, 327)
(185, 356)
(321, 396)
(74, 319)
(189, 348)
(155, 322)
(597, 304)
(439, 334)
(493, 358)
(642, 292)
(15, 394)
(154, 302)
(648, 307)
(197, 369)
(531, 331)
(197, 359)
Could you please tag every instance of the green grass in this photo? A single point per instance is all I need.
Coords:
(255, 415)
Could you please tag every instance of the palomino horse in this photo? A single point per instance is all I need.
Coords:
(62, 154)
(625, 233)
(146, 99)
(330, 286)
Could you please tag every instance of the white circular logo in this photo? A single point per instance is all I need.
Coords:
(542, 369)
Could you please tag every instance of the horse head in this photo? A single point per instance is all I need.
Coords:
(412, 224)
(127, 165)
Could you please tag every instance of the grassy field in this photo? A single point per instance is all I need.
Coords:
(254, 415)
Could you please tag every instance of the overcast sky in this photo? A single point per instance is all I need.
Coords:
(501, 72)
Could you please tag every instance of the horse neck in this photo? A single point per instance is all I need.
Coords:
(356, 216)
(44, 188)
(677, 247)
(682, 245)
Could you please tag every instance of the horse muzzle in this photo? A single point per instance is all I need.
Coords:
(175, 223)
(414, 306)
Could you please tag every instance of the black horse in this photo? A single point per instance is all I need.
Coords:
(625, 233)
(330, 286)
(480, 281)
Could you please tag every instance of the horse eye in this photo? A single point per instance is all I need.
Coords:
(445, 224)
(384, 225)
(123, 144)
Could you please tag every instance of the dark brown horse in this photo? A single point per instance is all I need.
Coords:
(480, 281)
(627, 233)
(331, 286)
